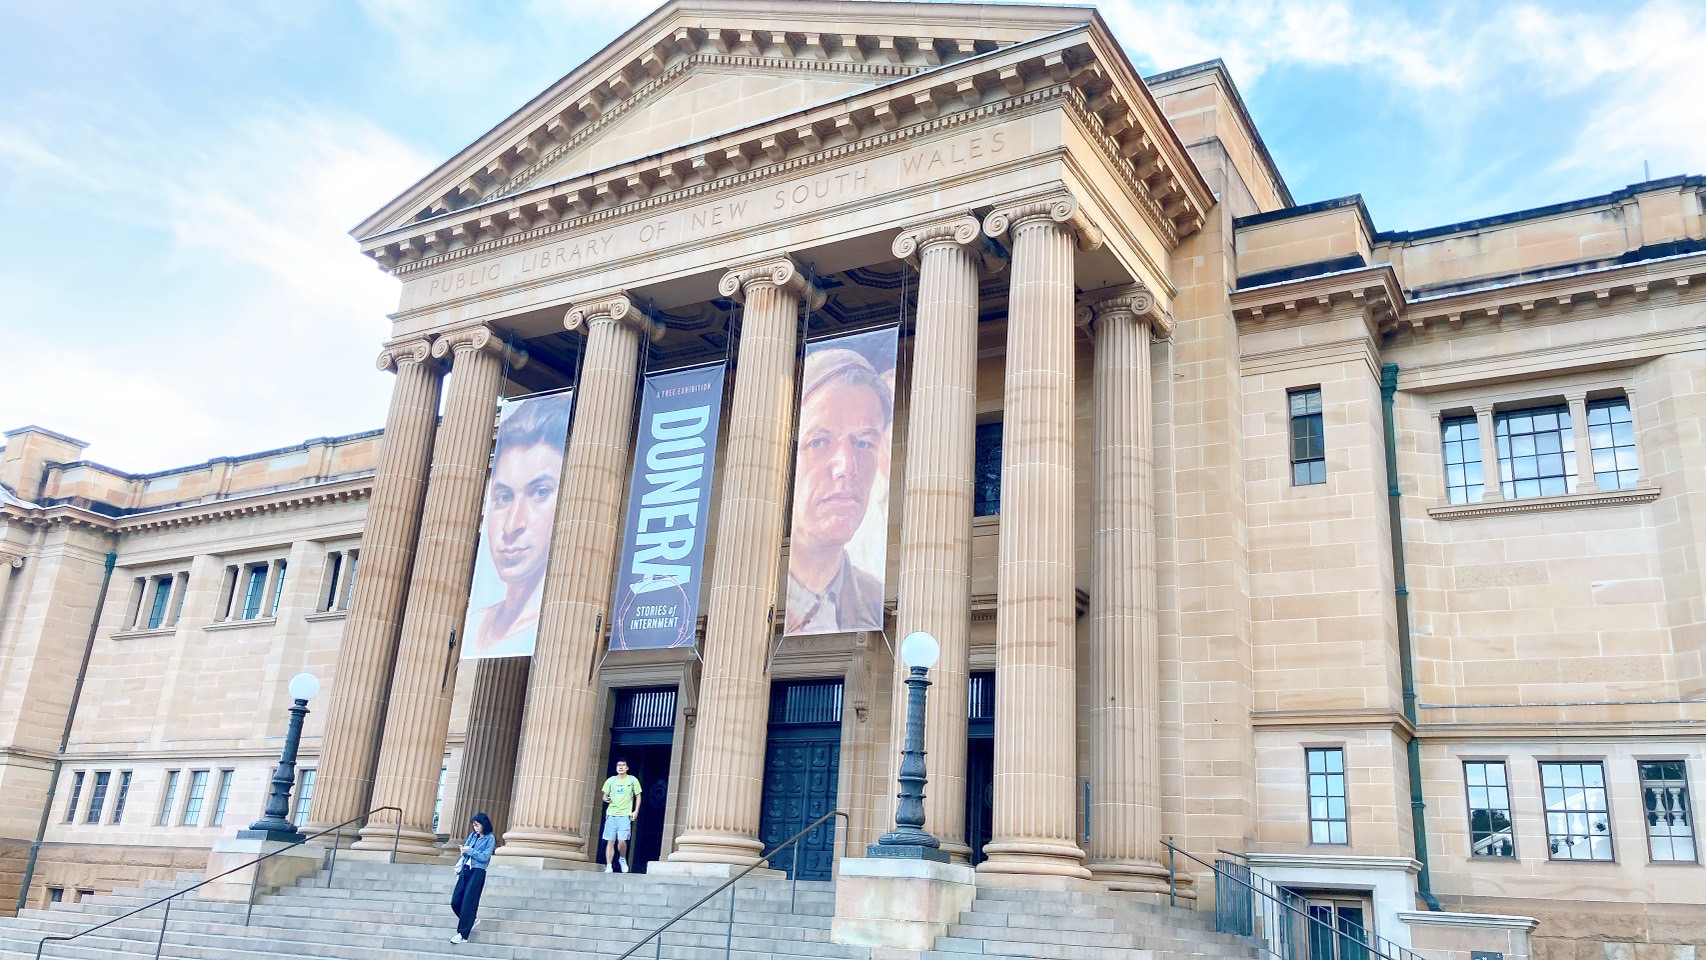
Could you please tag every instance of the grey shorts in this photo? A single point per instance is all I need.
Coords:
(618, 828)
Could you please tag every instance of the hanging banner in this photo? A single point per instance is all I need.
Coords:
(515, 530)
(838, 544)
(669, 503)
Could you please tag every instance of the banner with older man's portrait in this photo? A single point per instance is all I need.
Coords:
(838, 541)
(516, 526)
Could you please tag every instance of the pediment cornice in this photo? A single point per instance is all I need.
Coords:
(1080, 70)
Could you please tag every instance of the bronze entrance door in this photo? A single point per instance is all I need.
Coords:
(802, 763)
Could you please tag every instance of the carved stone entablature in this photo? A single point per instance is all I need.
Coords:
(1057, 206)
(1134, 301)
(1082, 73)
(397, 352)
(1553, 298)
(780, 271)
(479, 337)
(1372, 290)
(612, 308)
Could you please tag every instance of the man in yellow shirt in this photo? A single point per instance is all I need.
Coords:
(622, 799)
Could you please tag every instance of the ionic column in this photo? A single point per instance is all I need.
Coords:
(1125, 688)
(418, 715)
(362, 681)
(721, 824)
(487, 779)
(558, 726)
(935, 535)
(1586, 482)
(1035, 716)
(1490, 488)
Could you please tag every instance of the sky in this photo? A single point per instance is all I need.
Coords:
(178, 177)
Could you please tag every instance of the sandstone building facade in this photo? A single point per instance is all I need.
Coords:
(1372, 557)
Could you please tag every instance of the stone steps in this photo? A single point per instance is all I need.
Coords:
(377, 911)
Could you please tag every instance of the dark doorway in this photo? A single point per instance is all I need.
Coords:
(802, 763)
(642, 733)
(980, 761)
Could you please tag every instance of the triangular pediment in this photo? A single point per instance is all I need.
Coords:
(694, 68)
(702, 102)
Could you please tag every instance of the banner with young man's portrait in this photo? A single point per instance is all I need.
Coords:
(669, 506)
(838, 543)
(516, 527)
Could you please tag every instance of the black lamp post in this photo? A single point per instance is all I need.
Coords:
(276, 824)
(908, 840)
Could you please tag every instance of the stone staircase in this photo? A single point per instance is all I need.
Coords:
(374, 911)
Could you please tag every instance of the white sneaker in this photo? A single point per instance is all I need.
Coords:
(609, 869)
(623, 863)
(458, 938)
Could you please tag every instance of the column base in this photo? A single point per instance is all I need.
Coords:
(1035, 859)
(411, 841)
(553, 850)
(1146, 880)
(711, 849)
(902, 904)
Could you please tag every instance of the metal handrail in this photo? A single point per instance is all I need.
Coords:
(396, 835)
(1264, 939)
(730, 882)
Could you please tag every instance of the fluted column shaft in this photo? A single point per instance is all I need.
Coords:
(557, 730)
(935, 536)
(1125, 747)
(721, 823)
(1035, 716)
(418, 715)
(487, 779)
(363, 678)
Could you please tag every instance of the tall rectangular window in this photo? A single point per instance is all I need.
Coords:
(162, 594)
(304, 795)
(76, 795)
(1611, 435)
(1328, 820)
(986, 473)
(255, 593)
(1490, 830)
(1308, 438)
(1537, 452)
(438, 799)
(1578, 816)
(332, 580)
(223, 797)
(277, 588)
(1670, 821)
(192, 803)
(98, 796)
(123, 795)
(1463, 470)
(353, 562)
(168, 799)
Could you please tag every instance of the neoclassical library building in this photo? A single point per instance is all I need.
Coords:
(774, 333)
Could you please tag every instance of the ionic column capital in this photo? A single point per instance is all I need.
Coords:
(1135, 301)
(409, 350)
(13, 560)
(781, 272)
(1056, 206)
(615, 308)
(479, 338)
(961, 230)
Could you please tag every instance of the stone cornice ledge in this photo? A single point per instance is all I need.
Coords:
(1330, 861)
(1494, 920)
(294, 498)
(1376, 718)
(1568, 501)
(220, 626)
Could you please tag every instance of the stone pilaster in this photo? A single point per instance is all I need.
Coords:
(362, 682)
(1035, 717)
(721, 824)
(418, 714)
(562, 695)
(487, 780)
(1490, 487)
(1125, 685)
(1586, 482)
(935, 536)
